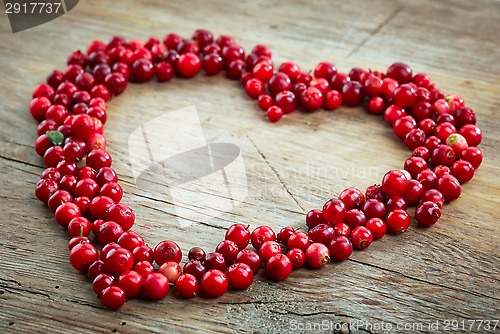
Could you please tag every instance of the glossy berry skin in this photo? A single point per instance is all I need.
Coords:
(249, 257)
(361, 237)
(197, 253)
(131, 283)
(215, 260)
(373, 209)
(188, 64)
(229, 250)
(269, 249)
(398, 221)
(401, 72)
(171, 270)
(472, 155)
(334, 211)
(156, 286)
(279, 267)
(377, 227)
(315, 217)
(340, 248)
(311, 99)
(352, 93)
(317, 255)
(142, 70)
(113, 297)
(167, 251)
(413, 192)
(121, 214)
(284, 234)
(449, 186)
(262, 234)
(194, 268)
(353, 198)
(239, 234)
(240, 276)
(462, 170)
(322, 233)
(118, 261)
(187, 285)
(287, 101)
(214, 283)
(333, 100)
(342, 229)
(82, 256)
(274, 113)
(427, 213)
(101, 282)
(299, 240)
(66, 212)
(394, 183)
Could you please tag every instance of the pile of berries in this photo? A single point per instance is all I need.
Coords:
(81, 188)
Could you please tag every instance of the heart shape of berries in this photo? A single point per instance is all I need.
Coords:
(71, 110)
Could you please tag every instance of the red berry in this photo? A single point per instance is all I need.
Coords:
(342, 229)
(401, 72)
(214, 283)
(340, 248)
(82, 256)
(299, 240)
(131, 283)
(113, 297)
(297, 257)
(229, 250)
(317, 255)
(254, 88)
(215, 260)
(194, 268)
(279, 267)
(394, 183)
(398, 221)
(156, 286)
(240, 276)
(427, 213)
(66, 212)
(334, 211)
(167, 251)
(171, 270)
(471, 133)
(449, 186)
(118, 260)
(142, 253)
(262, 234)
(311, 99)
(352, 93)
(377, 227)
(315, 217)
(187, 285)
(287, 101)
(269, 249)
(274, 113)
(249, 257)
(198, 254)
(284, 234)
(361, 237)
(264, 102)
(353, 198)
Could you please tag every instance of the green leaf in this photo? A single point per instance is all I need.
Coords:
(55, 137)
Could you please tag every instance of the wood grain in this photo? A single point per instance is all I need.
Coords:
(447, 272)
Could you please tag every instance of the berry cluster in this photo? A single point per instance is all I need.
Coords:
(81, 188)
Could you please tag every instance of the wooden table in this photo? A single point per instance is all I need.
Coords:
(425, 276)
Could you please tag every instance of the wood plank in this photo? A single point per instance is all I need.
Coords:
(447, 272)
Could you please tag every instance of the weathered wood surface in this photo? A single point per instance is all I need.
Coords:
(447, 272)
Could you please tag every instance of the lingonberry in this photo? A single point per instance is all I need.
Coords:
(338, 81)
(340, 248)
(264, 102)
(299, 240)
(116, 83)
(65, 212)
(130, 240)
(322, 233)
(112, 190)
(214, 283)
(334, 211)
(315, 217)
(123, 215)
(77, 240)
(101, 282)
(291, 70)
(82, 256)
(254, 88)
(443, 155)
(142, 253)
(215, 260)
(342, 229)
(415, 165)
(287, 101)
(375, 192)
(239, 234)
(171, 270)
(427, 213)
(352, 93)
(403, 125)
(421, 152)
(445, 118)
(118, 260)
(433, 195)
(388, 87)
(423, 80)
(461, 169)
(394, 183)
(361, 237)
(83, 203)
(279, 267)
(240, 275)
(311, 99)
(377, 227)
(167, 251)
(144, 268)
(405, 95)
(422, 111)
(57, 113)
(106, 175)
(444, 130)
(263, 71)
(427, 178)
(95, 269)
(131, 283)
(353, 198)
(439, 106)
(113, 297)
(229, 250)
(415, 138)
(449, 186)
(262, 234)
(317, 255)
(304, 78)
(333, 100)
(398, 221)
(372, 208)
(441, 170)
(473, 155)
(156, 286)
(86, 187)
(79, 226)
(198, 254)
(413, 192)
(354, 218)
(45, 188)
(392, 113)
(269, 249)
(236, 70)
(164, 71)
(194, 268)
(53, 156)
(274, 113)
(470, 132)
(373, 86)
(187, 285)
(279, 82)
(464, 116)
(249, 257)
(324, 70)
(284, 234)
(297, 257)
